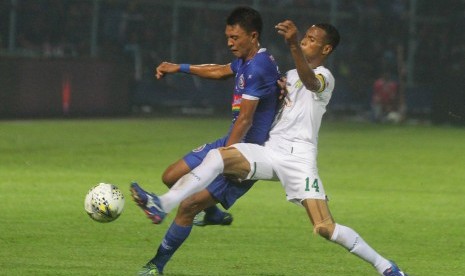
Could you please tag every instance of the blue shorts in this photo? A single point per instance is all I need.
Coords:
(196, 156)
(222, 189)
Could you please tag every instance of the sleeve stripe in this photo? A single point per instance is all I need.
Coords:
(249, 97)
(321, 78)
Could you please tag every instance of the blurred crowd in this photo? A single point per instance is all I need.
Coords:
(144, 33)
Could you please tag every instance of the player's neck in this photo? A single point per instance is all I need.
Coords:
(253, 51)
(315, 63)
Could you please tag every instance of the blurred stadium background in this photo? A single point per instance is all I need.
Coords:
(62, 58)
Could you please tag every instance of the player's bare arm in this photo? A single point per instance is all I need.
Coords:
(208, 71)
(290, 33)
(243, 122)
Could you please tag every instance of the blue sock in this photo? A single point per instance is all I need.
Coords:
(214, 214)
(173, 239)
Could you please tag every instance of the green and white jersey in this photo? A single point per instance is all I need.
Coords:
(300, 118)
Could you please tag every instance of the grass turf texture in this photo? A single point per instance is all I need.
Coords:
(400, 187)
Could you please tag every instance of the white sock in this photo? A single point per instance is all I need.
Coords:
(351, 240)
(193, 182)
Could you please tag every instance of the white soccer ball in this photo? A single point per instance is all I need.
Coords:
(104, 202)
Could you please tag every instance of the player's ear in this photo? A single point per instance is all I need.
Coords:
(327, 49)
(254, 36)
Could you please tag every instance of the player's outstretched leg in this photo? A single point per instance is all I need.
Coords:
(356, 245)
(326, 227)
(148, 202)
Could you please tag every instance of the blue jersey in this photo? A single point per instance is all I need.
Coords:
(256, 79)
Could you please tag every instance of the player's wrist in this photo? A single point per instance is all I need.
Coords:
(185, 68)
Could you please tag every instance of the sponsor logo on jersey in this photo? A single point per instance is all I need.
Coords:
(199, 149)
(236, 104)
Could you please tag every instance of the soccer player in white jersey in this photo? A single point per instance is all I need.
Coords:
(290, 154)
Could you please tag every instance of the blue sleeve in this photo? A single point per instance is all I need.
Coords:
(234, 65)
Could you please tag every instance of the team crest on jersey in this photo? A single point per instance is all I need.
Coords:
(241, 81)
(199, 149)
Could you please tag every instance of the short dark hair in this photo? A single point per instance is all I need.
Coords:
(332, 34)
(247, 18)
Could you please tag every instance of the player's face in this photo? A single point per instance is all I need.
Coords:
(313, 43)
(241, 43)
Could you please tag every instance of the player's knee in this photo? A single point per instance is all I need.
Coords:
(171, 175)
(189, 208)
(214, 160)
(168, 178)
(174, 172)
(324, 229)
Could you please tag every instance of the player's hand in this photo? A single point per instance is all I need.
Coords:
(282, 86)
(289, 31)
(164, 68)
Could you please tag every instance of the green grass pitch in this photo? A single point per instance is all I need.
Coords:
(401, 187)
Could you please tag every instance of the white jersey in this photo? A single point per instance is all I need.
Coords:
(290, 153)
(300, 118)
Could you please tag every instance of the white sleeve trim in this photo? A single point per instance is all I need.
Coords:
(249, 97)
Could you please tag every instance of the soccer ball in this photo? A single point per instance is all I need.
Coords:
(104, 202)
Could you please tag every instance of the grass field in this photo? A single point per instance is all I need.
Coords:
(401, 187)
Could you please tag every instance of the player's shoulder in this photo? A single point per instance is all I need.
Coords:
(325, 72)
(263, 64)
(322, 70)
(263, 56)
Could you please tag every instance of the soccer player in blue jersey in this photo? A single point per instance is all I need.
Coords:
(255, 96)
(255, 102)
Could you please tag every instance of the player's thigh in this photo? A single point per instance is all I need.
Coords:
(196, 156)
(236, 165)
(259, 159)
(299, 178)
(190, 161)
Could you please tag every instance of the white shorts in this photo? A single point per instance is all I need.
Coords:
(293, 165)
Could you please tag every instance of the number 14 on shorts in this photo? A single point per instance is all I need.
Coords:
(314, 185)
